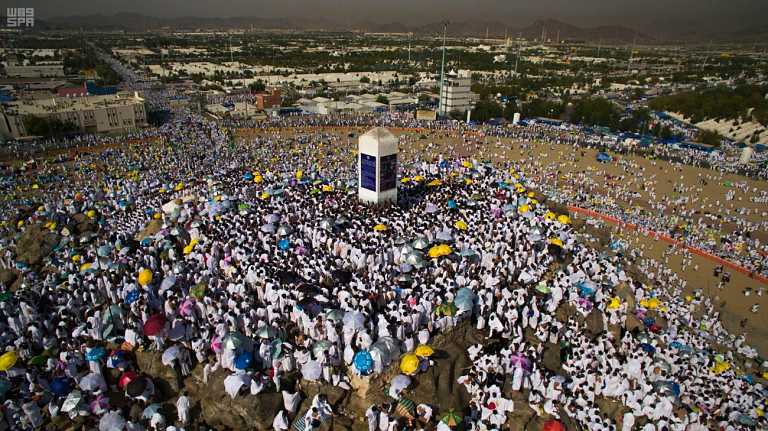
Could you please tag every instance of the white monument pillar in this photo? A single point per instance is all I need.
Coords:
(377, 166)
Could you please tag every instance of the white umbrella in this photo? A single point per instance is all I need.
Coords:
(73, 399)
(112, 421)
(172, 353)
(311, 371)
(92, 382)
(167, 283)
(400, 382)
(234, 382)
(354, 320)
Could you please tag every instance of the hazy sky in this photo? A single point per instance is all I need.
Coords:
(647, 14)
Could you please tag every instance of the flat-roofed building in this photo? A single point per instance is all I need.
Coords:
(456, 94)
(92, 114)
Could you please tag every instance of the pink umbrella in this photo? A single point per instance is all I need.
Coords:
(300, 250)
(216, 344)
(585, 303)
(520, 361)
(100, 404)
(497, 212)
(186, 307)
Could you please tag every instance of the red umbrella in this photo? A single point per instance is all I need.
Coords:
(154, 325)
(126, 378)
(553, 425)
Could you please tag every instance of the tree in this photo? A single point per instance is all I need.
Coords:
(709, 137)
(365, 80)
(257, 86)
(382, 99)
(485, 110)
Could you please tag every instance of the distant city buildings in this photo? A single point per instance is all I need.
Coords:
(92, 114)
(47, 69)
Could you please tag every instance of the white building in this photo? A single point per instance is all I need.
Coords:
(456, 94)
(377, 166)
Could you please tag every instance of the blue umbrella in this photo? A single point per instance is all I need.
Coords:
(363, 362)
(95, 354)
(132, 296)
(244, 360)
(284, 244)
(648, 348)
(60, 386)
(452, 204)
(248, 176)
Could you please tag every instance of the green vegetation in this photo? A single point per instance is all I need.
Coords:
(76, 62)
(382, 99)
(708, 137)
(595, 111)
(48, 127)
(719, 102)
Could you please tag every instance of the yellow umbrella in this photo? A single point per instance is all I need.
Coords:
(564, 219)
(76, 258)
(156, 216)
(522, 209)
(409, 363)
(189, 247)
(264, 196)
(460, 225)
(380, 227)
(418, 178)
(178, 187)
(531, 194)
(299, 174)
(466, 164)
(405, 180)
(145, 277)
(327, 188)
(85, 267)
(533, 202)
(440, 250)
(8, 360)
(258, 178)
(614, 304)
(468, 181)
(720, 367)
(434, 183)
(424, 351)
(650, 303)
(549, 216)
(688, 298)
(556, 241)
(91, 214)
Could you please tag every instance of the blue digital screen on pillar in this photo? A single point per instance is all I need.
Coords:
(368, 172)
(388, 172)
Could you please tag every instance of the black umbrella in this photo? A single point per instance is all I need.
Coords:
(341, 276)
(288, 277)
(136, 387)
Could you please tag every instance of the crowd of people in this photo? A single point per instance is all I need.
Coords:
(254, 260)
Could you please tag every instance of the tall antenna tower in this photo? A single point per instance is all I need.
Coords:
(231, 58)
(442, 67)
(631, 54)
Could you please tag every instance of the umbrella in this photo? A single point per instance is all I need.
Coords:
(272, 218)
(244, 360)
(126, 378)
(409, 364)
(60, 386)
(341, 276)
(311, 370)
(145, 277)
(440, 251)
(99, 404)
(553, 425)
(91, 382)
(543, 288)
(648, 348)
(445, 236)
(424, 351)
(354, 320)
(451, 419)
(8, 360)
(363, 362)
(266, 332)
(284, 230)
(136, 386)
(132, 296)
(405, 408)
(320, 347)
(284, 244)
(73, 399)
(167, 283)
(112, 421)
(268, 228)
(150, 411)
(198, 291)
(233, 340)
(154, 325)
(431, 208)
(327, 224)
(400, 382)
(420, 243)
(335, 315)
(519, 361)
(171, 354)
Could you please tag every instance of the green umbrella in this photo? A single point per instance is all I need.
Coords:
(451, 419)
(198, 291)
(5, 296)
